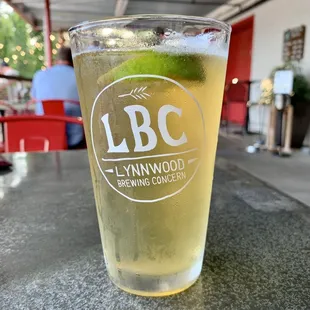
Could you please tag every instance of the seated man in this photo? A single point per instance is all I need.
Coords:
(58, 82)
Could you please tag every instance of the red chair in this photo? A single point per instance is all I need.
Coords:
(236, 98)
(30, 133)
(52, 106)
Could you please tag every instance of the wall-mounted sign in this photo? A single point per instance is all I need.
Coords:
(283, 82)
(294, 43)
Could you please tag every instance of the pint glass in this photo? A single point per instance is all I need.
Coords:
(151, 90)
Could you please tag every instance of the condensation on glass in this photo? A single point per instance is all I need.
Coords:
(151, 91)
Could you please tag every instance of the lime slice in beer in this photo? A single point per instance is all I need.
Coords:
(175, 66)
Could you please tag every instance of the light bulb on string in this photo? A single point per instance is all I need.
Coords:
(33, 41)
(66, 36)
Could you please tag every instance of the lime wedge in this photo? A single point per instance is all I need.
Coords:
(176, 66)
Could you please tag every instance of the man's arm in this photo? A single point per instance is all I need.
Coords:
(34, 93)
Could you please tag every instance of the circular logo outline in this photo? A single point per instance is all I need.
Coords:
(154, 76)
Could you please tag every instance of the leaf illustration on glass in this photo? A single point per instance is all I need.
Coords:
(137, 93)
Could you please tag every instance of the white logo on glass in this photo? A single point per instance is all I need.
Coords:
(137, 93)
(140, 147)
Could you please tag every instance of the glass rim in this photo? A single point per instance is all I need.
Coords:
(171, 17)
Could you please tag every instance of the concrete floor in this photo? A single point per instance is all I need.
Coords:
(289, 175)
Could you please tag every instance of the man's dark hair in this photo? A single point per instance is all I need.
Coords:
(96, 43)
(64, 54)
(159, 31)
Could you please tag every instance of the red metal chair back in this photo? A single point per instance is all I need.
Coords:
(29, 133)
(53, 107)
(237, 92)
(235, 102)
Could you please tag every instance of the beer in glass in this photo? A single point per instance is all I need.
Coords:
(151, 90)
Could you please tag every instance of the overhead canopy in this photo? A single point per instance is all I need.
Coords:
(66, 13)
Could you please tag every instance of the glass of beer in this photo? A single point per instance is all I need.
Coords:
(151, 89)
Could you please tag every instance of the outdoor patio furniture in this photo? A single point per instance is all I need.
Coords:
(30, 133)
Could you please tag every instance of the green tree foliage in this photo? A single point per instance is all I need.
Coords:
(20, 45)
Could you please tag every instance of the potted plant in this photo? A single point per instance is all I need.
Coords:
(301, 102)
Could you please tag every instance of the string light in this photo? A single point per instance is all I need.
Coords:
(18, 48)
(127, 34)
(54, 51)
(111, 42)
(37, 45)
(41, 57)
(33, 41)
(235, 80)
(1, 46)
(106, 31)
(43, 68)
(31, 52)
(22, 53)
(52, 37)
(58, 45)
(14, 57)
(6, 59)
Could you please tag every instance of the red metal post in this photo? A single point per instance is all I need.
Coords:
(47, 33)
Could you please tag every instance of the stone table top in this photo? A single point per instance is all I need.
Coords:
(258, 245)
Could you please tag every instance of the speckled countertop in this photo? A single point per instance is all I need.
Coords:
(258, 248)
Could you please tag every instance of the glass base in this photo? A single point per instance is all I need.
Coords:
(156, 286)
